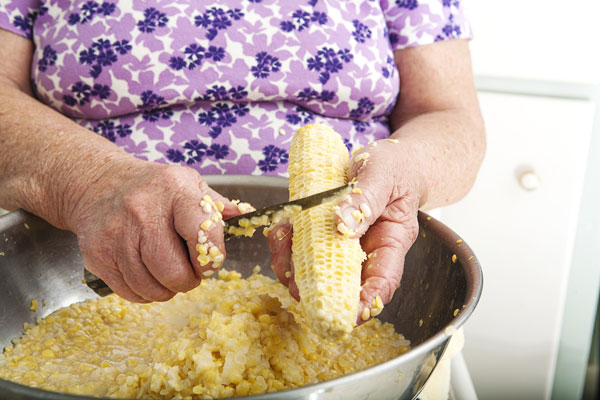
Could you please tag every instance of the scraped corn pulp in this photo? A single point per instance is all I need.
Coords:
(229, 337)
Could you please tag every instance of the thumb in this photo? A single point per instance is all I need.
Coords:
(374, 190)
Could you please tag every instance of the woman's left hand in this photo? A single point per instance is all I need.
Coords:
(389, 201)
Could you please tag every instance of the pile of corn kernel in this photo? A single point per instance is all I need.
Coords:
(228, 337)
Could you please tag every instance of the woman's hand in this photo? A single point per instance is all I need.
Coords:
(138, 225)
(389, 201)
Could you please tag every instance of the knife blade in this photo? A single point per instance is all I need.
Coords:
(245, 224)
(264, 216)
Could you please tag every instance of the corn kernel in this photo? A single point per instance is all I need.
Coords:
(214, 251)
(366, 210)
(357, 215)
(206, 225)
(454, 258)
(366, 314)
(203, 260)
(356, 191)
(201, 249)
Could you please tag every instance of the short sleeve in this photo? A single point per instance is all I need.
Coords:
(17, 16)
(418, 22)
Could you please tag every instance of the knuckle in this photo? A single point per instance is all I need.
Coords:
(135, 204)
(178, 177)
(179, 280)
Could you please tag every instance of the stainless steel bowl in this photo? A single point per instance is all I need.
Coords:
(38, 261)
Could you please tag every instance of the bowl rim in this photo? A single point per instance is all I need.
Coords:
(468, 261)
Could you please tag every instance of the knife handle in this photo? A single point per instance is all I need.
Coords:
(96, 284)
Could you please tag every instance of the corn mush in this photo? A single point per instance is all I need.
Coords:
(228, 337)
(327, 265)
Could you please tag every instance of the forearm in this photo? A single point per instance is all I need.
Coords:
(46, 159)
(441, 151)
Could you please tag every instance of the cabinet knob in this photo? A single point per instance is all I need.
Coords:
(529, 180)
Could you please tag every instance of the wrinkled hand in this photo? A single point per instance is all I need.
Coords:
(389, 201)
(137, 228)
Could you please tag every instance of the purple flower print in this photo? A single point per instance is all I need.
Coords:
(287, 26)
(90, 10)
(301, 20)
(365, 106)
(216, 93)
(319, 17)
(240, 109)
(226, 119)
(195, 151)
(220, 116)
(101, 91)
(410, 4)
(48, 58)
(216, 19)
(450, 30)
(107, 9)
(361, 32)
(388, 70)
(216, 53)
(218, 151)
(450, 3)
(238, 93)
(152, 19)
(328, 61)
(123, 130)
(301, 116)
(26, 23)
(177, 63)
(274, 156)
(82, 92)
(109, 130)
(360, 126)
(348, 145)
(101, 54)
(195, 55)
(206, 118)
(266, 65)
(175, 156)
(122, 47)
(194, 108)
(308, 94)
(151, 107)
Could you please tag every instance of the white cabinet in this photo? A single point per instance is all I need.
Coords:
(552, 40)
(520, 219)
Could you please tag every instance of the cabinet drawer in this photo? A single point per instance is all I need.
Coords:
(520, 219)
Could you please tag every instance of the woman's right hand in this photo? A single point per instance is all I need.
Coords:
(137, 225)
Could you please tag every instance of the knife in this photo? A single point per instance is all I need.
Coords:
(245, 224)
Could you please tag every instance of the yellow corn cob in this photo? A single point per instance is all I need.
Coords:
(327, 265)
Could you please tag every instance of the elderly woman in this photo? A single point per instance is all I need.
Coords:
(111, 111)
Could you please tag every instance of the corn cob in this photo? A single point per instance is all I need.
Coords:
(327, 265)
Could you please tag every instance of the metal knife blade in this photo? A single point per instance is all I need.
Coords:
(287, 209)
(102, 289)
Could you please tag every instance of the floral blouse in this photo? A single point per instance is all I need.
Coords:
(221, 86)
